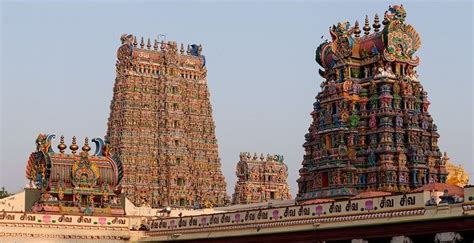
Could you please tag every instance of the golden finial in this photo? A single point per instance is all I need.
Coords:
(385, 20)
(148, 44)
(376, 24)
(155, 46)
(181, 50)
(86, 148)
(62, 146)
(366, 26)
(142, 43)
(74, 146)
(135, 41)
(357, 29)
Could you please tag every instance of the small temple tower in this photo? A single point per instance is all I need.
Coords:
(260, 179)
(371, 127)
(456, 173)
(78, 182)
(161, 126)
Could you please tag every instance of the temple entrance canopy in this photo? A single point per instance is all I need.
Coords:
(74, 183)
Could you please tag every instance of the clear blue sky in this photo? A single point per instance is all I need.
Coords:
(58, 70)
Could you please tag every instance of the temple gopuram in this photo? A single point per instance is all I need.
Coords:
(76, 183)
(260, 179)
(371, 128)
(372, 170)
(161, 126)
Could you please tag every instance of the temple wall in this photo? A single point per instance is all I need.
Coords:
(55, 227)
(251, 219)
(14, 203)
(374, 212)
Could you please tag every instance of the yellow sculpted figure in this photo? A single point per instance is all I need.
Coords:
(456, 174)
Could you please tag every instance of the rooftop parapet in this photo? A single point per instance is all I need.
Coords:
(191, 49)
(246, 156)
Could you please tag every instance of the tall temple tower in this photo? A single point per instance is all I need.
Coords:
(161, 126)
(371, 128)
(260, 179)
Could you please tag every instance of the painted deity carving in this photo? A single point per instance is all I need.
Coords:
(401, 39)
(373, 122)
(372, 159)
(342, 39)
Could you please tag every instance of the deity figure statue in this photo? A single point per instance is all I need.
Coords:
(402, 160)
(456, 174)
(409, 89)
(373, 122)
(344, 178)
(83, 180)
(372, 160)
(354, 120)
(342, 39)
(60, 193)
(43, 142)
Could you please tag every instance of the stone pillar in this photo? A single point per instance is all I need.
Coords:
(358, 241)
(448, 237)
(401, 239)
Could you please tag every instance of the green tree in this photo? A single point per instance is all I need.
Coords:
(4, 193)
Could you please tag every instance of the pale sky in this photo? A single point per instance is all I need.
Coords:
(58, 70)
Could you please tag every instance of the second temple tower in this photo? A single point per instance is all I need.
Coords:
(161, 126)
(371, 128)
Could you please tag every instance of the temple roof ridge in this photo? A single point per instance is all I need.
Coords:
(157, 45)
(396, 41)
(247, 156)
